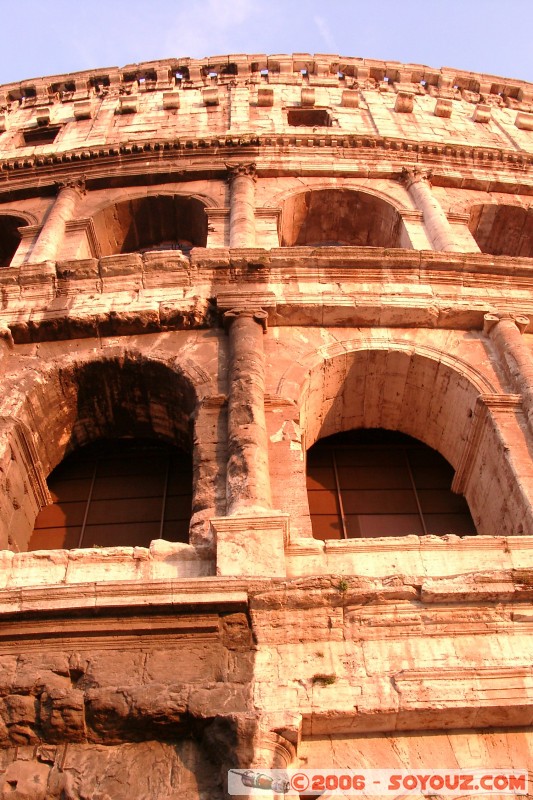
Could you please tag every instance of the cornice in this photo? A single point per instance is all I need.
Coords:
(429, 297)
(460, 166)
(289, 68)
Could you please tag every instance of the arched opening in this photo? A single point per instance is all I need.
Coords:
(339, 217)
(126, 424)
(373, 482)
(166, 222)
(9, 237)
(433, 396)
(502, 230)
(117, 492)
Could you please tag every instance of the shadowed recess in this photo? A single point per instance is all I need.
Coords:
(159, 222)
(503, 230)
(339, 217)
(117, 398)
(117, 492)
(9, 237)
(371, 483)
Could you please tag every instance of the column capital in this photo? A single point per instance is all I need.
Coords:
(491, 320)
(72, 183)
(247, 169)
(413, 175)
(259, 315)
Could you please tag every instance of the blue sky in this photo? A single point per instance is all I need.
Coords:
(46, 37)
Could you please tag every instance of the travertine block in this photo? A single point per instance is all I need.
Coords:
(350, 98)
(210, 96)
(83, 109)
(251, 545)
(307, 96)
(265, 97)
(404, 102)
(171, 100)
(42, 116)
(443, 107)
(482, 113)
(524, 121)
(128, 104)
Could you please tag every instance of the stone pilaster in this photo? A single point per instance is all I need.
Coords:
(52, 232)
(242, 179)
(439, 230)
(505, 331)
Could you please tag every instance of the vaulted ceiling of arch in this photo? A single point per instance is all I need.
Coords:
(132, 225)
(503, 230)
(339, 217)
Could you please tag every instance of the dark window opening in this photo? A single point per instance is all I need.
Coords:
(99, 81)
(23, 93)
(9, 237)
(182, 74)
(117, 492)
(37, 136)
(310, 117)
(370, 483)
(63, 87)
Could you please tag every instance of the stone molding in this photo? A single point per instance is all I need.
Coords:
(23, 442)
(243, 300)
(485, 406)
(323, 68)
(514, 165)
(85, 226)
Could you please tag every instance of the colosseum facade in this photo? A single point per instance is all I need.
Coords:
(266, 427)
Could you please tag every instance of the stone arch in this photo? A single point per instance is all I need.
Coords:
(502, 229)
(319, 185)
(380, 371)
(158, 219)
(340, 216)
(27, 217)
(75, 401)
(420, 391)
(10, 222)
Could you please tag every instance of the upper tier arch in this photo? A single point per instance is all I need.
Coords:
(154, 220)
(340, 216)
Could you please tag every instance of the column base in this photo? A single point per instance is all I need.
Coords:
(251, 544)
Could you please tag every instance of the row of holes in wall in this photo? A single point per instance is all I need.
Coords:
(182, 74)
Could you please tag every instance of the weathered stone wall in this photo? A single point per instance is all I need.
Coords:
(241, 256)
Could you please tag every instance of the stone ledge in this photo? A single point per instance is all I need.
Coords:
(162, 561)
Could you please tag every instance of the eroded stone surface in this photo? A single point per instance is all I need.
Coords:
(375, 219)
